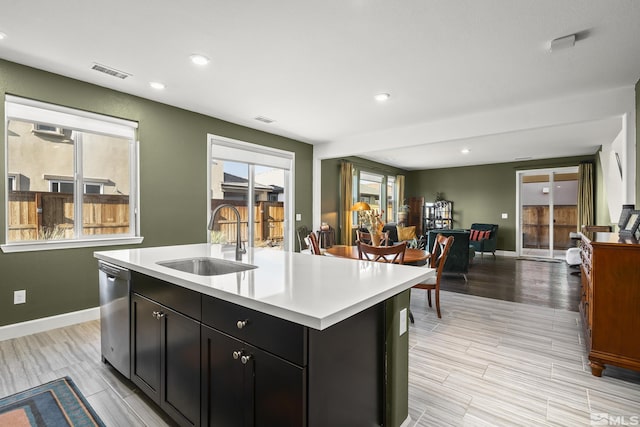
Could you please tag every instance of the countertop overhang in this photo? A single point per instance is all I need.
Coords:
(314, 291)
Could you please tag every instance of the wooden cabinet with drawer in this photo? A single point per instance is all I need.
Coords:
(610, 300)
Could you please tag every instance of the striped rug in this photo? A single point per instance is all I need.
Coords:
(54, 404)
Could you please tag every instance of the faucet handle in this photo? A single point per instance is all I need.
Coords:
(243, 247)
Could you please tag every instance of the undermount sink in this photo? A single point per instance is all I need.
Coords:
(206, 266)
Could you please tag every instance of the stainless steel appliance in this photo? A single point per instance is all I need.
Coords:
(114, 316)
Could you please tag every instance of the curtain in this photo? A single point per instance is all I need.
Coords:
(585, 195)
(346, 192)
(400, 193)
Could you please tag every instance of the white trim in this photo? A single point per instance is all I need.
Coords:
(43, 324)
(406, 422)
(547, 171)
(45, 245)
(255, 154)
(504, 253)
(68, 118)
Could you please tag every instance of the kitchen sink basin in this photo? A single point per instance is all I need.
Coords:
(206, 266)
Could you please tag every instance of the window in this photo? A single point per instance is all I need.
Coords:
(392, 206)
(257, 181)
(378, 191)
(67, 187)
(57, 202)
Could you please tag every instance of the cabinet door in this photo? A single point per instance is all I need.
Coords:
(180, 396)
(145, 346)
(165, 358)
(244, 386)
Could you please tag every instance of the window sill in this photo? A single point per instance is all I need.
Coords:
(68, 244)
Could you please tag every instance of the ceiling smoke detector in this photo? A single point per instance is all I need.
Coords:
(264, 119)
(110, 71)
(561, 43)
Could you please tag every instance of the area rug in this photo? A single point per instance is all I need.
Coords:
(54, 404)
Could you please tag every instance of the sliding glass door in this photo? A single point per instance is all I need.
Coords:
(548, 211)
(257, 181)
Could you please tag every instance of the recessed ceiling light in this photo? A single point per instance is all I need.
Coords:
(157, 85)
(199, 59)
(465, 151)
(381, 97)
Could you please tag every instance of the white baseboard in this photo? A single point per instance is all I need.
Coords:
(47, 323)
(406, 422)
(506, 253)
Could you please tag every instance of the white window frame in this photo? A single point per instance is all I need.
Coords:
(28, 110)
(254, 154)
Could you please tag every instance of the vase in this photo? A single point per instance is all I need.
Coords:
(376, 236)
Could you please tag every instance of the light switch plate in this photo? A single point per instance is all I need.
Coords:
(505, 215)
(19, 297)
(403, 321)
(298, 217)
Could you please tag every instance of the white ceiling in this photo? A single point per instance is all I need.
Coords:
(314, 67)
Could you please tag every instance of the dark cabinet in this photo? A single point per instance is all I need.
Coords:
(244, 386)
(210, 362)
(165, 358)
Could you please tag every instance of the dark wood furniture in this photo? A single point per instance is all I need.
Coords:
(411, 255)
(390, 254)
(610, 303)
(438, 259)
(314, 246)
(415, 213)
(210, 362)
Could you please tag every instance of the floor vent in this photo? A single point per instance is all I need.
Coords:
(110, 71)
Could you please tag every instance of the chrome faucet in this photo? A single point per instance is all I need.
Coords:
(239, 249)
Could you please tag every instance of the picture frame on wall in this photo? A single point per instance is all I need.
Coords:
(631, 225)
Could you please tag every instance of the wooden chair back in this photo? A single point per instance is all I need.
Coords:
(392, 254)
(314, 246)
(439, 254)
(595, 228)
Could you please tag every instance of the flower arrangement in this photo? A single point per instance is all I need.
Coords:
(372, 220)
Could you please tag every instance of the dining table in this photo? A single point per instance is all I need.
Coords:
(411, 255)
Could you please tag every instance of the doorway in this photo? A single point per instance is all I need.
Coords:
(547, 211)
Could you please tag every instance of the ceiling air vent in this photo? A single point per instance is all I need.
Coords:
(111, 71)
(264, 119)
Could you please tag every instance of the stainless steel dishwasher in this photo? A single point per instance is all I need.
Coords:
(114, 316)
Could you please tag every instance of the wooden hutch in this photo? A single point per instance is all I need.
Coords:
(610, 303)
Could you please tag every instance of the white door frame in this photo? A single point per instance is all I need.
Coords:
(550, 172)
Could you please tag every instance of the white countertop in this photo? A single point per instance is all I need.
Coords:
(314, 291)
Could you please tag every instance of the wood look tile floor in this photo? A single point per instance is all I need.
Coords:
(487, 362)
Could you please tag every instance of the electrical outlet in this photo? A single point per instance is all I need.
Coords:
(403, 321)
(20, 297)
(505, 215)
(298, 217)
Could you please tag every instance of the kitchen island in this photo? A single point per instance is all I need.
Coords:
(299, 340)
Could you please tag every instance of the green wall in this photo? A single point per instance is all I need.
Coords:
(173, 168)
(330, 184)
(638, 144)
(481, 193)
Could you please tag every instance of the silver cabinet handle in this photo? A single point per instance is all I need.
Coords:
(245, 359)
(236, 354)
(158, 314)
(242, 323)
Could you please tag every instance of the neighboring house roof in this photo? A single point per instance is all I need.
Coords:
(234, 181)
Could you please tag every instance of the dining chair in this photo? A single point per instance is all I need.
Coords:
(365, 237)
(437, 260)
(302, 232)
(314, 246)
(391, 254)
